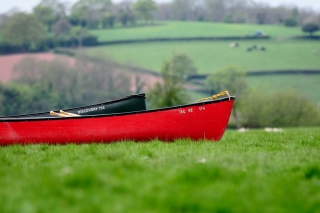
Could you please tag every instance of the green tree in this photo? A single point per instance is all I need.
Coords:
(3, 19)
(145, 8)
(45, 15)
(290, 22)
(228, 18)
(231, 78)
(108, 20)
(310, 25)
(295, 13)
(126, 17)
(61, 27)
(90, 12)
(79, 32)
(15, 99)
(23, 30)
(182, 66)
(182, 9)
(58, 7)
(170, 92)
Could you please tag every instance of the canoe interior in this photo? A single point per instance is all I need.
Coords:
(46, 116)
(131, 103)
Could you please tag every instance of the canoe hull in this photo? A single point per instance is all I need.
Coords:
(206, 120)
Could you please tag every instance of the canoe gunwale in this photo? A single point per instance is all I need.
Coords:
(21, 119)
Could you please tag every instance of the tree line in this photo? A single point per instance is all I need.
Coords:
(52, 23)
(92, 14)
(239, 11)
(232, 11)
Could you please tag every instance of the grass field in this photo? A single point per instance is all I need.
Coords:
(209, 57)
(174, 29)
(245, 172)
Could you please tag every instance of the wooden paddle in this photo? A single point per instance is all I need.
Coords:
(58, 114)
(68, 113)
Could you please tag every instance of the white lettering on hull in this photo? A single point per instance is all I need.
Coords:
(92, 109)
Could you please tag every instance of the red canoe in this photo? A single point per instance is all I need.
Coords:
(204, 120)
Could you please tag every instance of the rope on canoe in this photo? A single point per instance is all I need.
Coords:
(214, 97)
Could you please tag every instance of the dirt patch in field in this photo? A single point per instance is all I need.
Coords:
(7, 62)
(140, 81)
(148, 80)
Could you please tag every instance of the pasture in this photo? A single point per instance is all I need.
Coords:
(211, 56)
(180, 29)
(254, 171)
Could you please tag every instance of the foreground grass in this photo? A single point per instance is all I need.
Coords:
(244, 172)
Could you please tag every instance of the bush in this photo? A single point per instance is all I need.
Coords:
(279, 109)
(8, 49)
(68, 41)
(14, 99)
(49, 43)
(310, 25)
(290, 22)
(310, 28)
(89, 40)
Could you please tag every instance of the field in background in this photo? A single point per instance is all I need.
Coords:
(254, 171)
(175, 29)
(211, 56)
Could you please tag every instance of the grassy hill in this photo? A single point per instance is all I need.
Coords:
(282, 52)
(174, 29)
(212, 56)
(209, 56)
